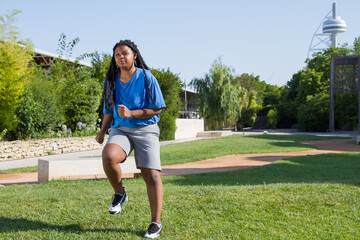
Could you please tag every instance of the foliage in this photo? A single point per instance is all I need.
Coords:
(272, 119)
(260, 98)
(287, 114)
(8, 32)
(2, 134)
(252, 84)
(100, 64)
(170, 85)
(313, 80)
(14, 61)
(45, 94)
(346, 111)
(249, 113)
(79, 97)
(65, 49)
(272, 96)
(78, 94)
(30, 116)
(310, 84)
(219, 99)
(313, 115)
(356, 46)
(321, 60)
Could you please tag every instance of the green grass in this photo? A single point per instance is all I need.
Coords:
(215, 147)
(20, 170)
(312, 197)
(234, 144)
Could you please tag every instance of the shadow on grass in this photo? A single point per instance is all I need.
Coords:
(295, 137)
(324, 168)
(22, 224)
(292, 144)
(284, 140)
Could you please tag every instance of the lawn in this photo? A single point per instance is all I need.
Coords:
(234, 144)
(312, 197)
(215, 147)
(19, 170)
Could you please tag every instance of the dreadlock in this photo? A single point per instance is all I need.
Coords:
(109, 90)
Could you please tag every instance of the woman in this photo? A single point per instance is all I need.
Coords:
(132, 104)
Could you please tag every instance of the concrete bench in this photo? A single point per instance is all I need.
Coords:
(81, 168)
(357, 139)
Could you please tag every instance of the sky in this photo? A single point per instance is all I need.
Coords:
(265, 38)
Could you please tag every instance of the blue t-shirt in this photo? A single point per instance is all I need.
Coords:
(134, 95)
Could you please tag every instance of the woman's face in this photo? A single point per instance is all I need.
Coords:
(124, 57)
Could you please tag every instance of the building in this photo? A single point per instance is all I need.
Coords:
(45, 58)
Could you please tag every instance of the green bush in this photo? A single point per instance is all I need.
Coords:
(80, 97)
(30, 116)
(170, 85)
(313, 115)
(14, 71)
(44, 91)
(272, 119)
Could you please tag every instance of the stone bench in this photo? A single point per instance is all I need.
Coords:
(357, 139)
(81, 168)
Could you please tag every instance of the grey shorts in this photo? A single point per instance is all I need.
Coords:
(145, 142)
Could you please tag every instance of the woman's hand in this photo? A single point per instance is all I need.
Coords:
(124, 112)
(100, 138)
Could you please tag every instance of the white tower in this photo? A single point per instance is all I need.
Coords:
(331, 26)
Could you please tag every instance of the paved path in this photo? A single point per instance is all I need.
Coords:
(224, 163)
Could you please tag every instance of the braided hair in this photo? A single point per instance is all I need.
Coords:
(109, 89)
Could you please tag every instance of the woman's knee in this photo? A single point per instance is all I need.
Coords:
(151, 176)
(112, 155)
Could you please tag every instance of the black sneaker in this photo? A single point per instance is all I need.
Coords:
(117, 203)
(153, 231)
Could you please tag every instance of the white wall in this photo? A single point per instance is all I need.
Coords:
(188, 128)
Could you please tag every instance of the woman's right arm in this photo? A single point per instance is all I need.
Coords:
(105, 125)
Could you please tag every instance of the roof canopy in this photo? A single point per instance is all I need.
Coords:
(45, 58)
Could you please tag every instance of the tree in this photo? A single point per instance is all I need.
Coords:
(249, 112)
(272, 96)
(252, 84)
(272, 119)
(77, 92)
(219, 99)
(356, 46)
(309, 83)
(14, 62)
(313, 115)
(100, 63)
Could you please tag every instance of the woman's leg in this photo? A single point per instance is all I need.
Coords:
(112, 155)
(155, 192)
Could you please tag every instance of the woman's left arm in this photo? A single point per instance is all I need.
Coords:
(140, 113)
